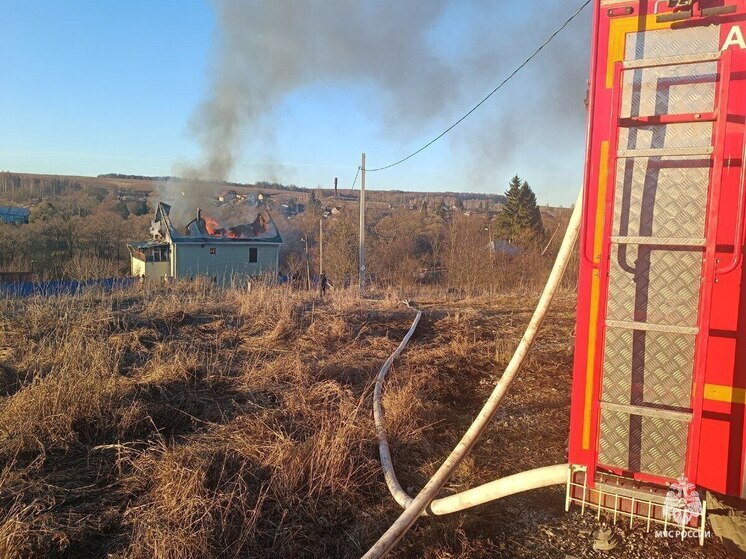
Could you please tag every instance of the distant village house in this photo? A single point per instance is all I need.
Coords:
(503, 247)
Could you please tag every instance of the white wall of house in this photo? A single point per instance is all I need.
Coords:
(151, 270)
(223, 260)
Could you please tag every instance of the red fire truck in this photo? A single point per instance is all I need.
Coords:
(659, 385)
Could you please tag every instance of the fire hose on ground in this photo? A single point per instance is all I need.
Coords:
(425, 503)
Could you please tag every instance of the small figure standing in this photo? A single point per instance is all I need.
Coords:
(324, 284)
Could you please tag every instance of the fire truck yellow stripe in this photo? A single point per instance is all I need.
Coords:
(603, 177)
(721, 393)
(590, 364)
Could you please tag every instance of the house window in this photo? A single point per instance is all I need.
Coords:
(160, 254)
(253, 255)
(157, 254)
(213, 250)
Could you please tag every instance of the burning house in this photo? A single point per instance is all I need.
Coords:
(205, 247)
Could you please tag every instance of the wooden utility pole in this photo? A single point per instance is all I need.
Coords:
(321, 246)
(361, 277)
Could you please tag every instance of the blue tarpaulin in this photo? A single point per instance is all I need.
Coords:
(63, 287)
(14, 215)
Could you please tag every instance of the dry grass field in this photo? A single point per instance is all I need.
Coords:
(190, 422)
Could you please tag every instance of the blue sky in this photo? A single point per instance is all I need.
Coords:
(96, 87)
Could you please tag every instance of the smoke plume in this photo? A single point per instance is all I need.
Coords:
(266, 49)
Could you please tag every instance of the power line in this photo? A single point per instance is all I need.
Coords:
(475, 107)
(356, 176)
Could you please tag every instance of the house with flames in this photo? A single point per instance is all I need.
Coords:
(205, 248)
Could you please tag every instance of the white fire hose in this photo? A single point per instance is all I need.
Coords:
(533, 479)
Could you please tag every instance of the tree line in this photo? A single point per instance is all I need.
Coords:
(437, 245)
(78, 235)
(83, 232)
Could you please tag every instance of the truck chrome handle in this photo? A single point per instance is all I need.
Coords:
(738, 243)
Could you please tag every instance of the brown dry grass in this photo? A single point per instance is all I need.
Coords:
(190, 422)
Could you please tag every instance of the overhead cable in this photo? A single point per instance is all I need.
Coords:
(491, 93)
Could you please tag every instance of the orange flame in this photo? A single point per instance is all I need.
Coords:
(214, 228)
(210, 224)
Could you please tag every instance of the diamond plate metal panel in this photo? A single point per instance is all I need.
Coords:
(613, 448)
(661, 43)
(665, 198)
(663, 445)
(648, 368)
(658, 197)
(636, 443)
(680, 135)
(649, 284)
(670, 89)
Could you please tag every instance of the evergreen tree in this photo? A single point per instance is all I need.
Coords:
(520, 219)
(507, 221)
(531, 222)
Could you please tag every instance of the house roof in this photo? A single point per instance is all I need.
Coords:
(151, 243)
(503, 247)
(262, 229)
(211, 239)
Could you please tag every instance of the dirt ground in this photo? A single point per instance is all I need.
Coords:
(205, 424)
